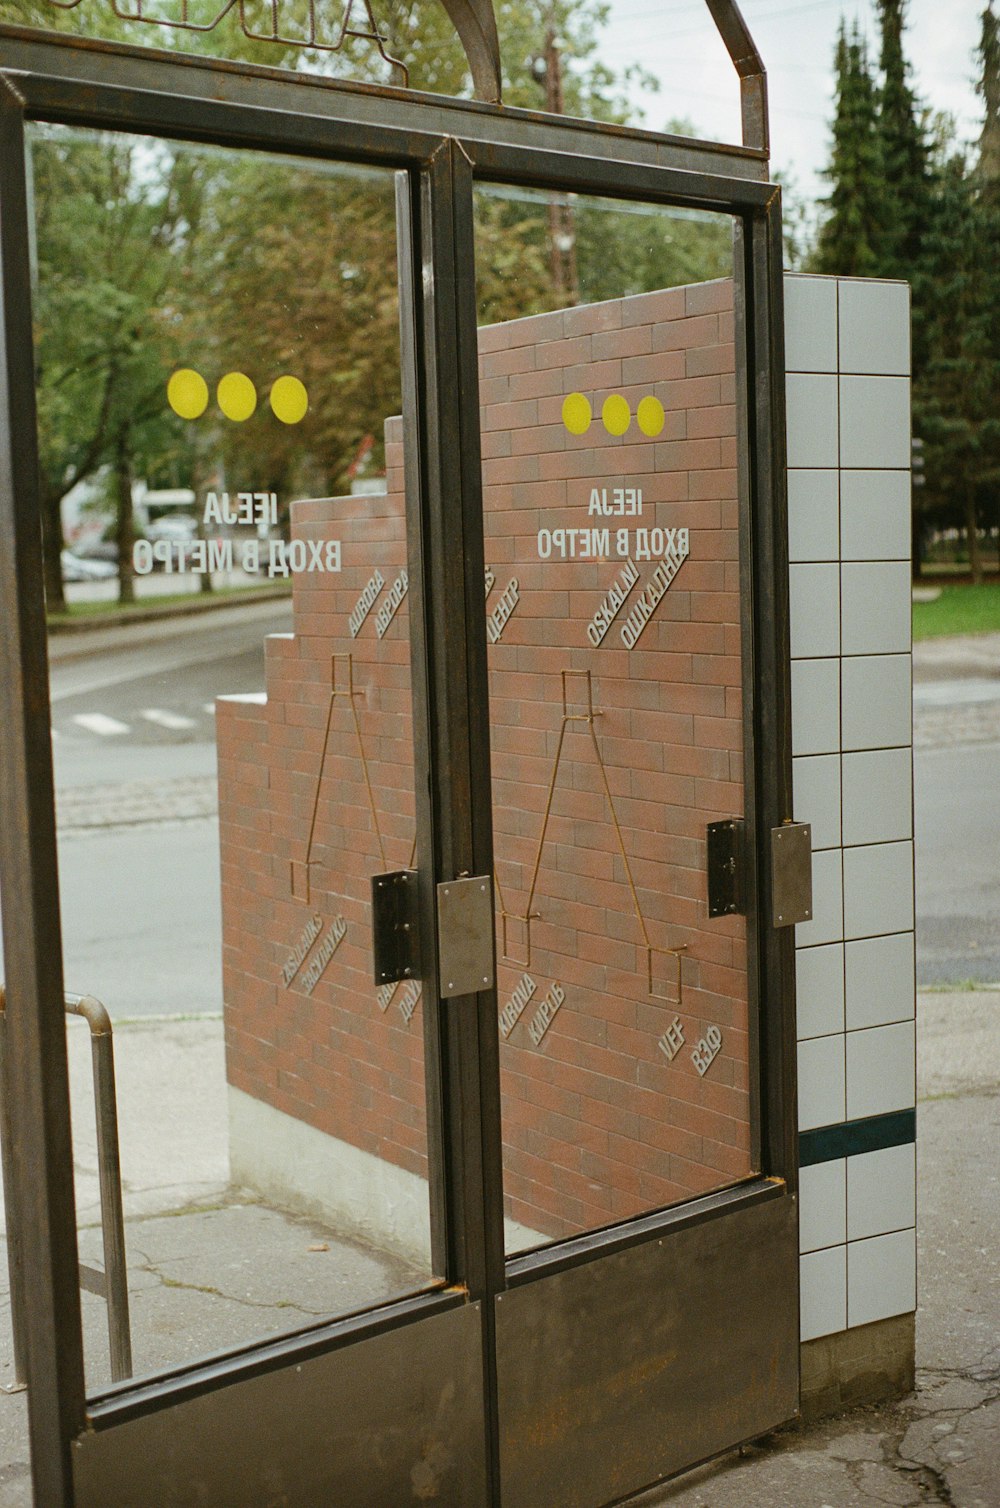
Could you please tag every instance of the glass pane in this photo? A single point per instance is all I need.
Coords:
(217, 341)
(615, 651)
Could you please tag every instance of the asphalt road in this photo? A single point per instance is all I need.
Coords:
(133, 741)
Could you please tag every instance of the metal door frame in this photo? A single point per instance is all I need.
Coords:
(440, 147)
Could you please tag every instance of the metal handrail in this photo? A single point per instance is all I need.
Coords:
(111, 1284)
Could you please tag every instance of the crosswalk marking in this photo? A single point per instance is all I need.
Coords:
(96, 722)
(209, 707)
(172, 720)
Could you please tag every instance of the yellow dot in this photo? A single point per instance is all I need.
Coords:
(616, 414)
(289, 400)
(237, 396)
(576, 413)
(650, 416)
(187, 394)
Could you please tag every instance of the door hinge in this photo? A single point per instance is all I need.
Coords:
(791, 873)
(725, 857)
(395, 926)
(465, 935)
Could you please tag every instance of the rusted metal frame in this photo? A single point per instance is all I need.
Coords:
(36, 1060)
(113, 1287)
(750, 66)
(460, 780)
(74, 61)
(529, 1266)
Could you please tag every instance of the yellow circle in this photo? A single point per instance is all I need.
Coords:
(576, 413)
(187, 394)
(237, 396)
(616, 414)
(650, 416)
(289, 400)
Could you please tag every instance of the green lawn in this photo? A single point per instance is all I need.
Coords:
(959, 610)
(168, 601)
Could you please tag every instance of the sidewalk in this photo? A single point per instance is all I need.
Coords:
(210, 1267)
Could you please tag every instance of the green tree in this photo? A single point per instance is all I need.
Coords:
(906, 187)
(846, 242)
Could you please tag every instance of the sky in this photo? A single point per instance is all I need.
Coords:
(677, 42)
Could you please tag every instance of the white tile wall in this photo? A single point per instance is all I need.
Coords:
(874, 327)
(878, 889)
(811, 325)
(881, 1192)
(815, 706)
(814, 605)
(823, 1292)
(876, 607)
(823, 1205)
(881, 1071)
(875, 515)
(821, 1081)
(877, 701)
(874, 422)
(819, 989)
(849, 513)
(881, 1277)
(811, 407)
(816, 797)
(814, 515)
(878, 796)
(879, 981)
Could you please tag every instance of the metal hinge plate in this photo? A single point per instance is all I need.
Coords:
(465, 935)
(726, 867)
(395, 926)
(791, 873)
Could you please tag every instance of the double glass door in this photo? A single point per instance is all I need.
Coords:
(391, 525)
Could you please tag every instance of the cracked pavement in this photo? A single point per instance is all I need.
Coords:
(210, 1267)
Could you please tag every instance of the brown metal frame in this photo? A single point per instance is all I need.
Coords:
(439, 148)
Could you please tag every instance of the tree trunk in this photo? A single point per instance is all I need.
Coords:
(124, 520)
(52, 544)
(972, 534)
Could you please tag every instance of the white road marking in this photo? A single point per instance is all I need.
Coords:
(172, 720)
(96, 722)
(209, 707)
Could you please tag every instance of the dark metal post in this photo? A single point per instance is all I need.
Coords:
(15, 1258)
(110, 1175)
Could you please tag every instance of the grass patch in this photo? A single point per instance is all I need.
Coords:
(958, 610)
(76, 611)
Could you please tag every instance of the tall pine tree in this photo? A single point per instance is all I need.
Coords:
(906, 179)
(846, 244)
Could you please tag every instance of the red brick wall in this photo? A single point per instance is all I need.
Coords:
(630, 751)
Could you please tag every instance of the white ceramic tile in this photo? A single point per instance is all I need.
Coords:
(877, 701)
(814, 607)
(881, 1277)
(880, 980)
(880, 1070)
(819, 990)
(874, 422)
(827, 922)
(813, 515)
(881, 1192)
(876, 608)
(874, 327)
(823, 1205)
(878, 889)
(821, 1081)
(811, 324)
(878, 796)
(875, 515)
(816, 796)
(815, 706)
(811, 420)
(823, 1292)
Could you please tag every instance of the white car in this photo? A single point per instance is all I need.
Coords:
(76, 569)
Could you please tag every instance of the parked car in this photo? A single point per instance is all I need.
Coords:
(76, 569)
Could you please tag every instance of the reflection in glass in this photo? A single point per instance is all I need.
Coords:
(217, 356)
(608, 383)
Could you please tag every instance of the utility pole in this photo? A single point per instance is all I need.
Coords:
(562, 230)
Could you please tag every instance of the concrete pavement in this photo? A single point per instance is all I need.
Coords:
(211, 1267)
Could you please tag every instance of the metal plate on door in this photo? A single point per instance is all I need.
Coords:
(465, 935)
(791, 873)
